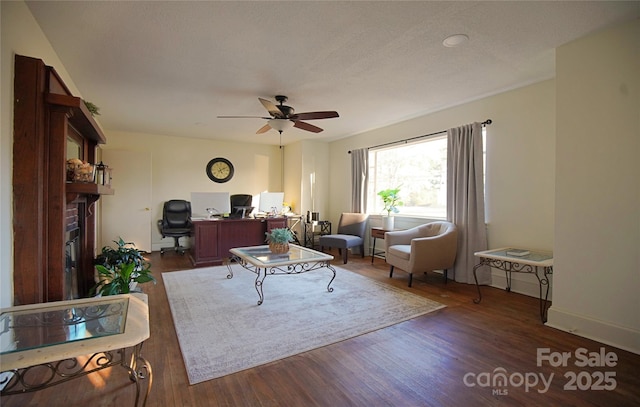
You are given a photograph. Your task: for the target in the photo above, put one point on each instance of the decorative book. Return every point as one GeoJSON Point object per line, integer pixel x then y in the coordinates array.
{"type": "Point", "coordinates": [518, 252]}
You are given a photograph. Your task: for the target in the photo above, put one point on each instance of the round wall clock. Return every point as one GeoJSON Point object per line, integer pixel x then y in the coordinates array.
{"type": "Point", "coordinates": [220, 170]}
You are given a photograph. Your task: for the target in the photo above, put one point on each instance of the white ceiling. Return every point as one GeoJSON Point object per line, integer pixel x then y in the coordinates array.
{"type": "Point", "coordinates": [170, 68]}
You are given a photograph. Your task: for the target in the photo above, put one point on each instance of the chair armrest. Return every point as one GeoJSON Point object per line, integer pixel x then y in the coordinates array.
{"type": "Point", "coordinates": [434, 252]}
{"type": "Point", "coordinates": [399, 237]}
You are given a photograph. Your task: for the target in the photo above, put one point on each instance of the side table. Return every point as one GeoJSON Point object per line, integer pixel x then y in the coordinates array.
{"type": "Point", "coordinates": [71, 339]}
{"type": "Point", "coordinates": [529, 263]}
{"type": "Point", "coordinates": [313, 229]}
{"type": "Point", "coordinates": [377, 233]}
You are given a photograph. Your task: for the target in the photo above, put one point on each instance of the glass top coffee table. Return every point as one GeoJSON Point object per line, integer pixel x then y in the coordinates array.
{"type": "Point", "coordinates": [262, 262]}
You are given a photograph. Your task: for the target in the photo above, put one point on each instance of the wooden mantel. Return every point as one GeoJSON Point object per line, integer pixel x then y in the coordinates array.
{"type": "Point", "coordinates": [45, 205]}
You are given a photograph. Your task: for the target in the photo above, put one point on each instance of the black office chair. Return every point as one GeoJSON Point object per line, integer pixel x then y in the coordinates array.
{"type": "Point", "coordinates": [175, 223]}
{"type": "Point", "coordinates": [241, 205]}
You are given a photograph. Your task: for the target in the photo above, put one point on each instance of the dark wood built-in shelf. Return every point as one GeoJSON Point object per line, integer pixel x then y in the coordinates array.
{"type": "Point", "coordinates": [80, 117]}
{"type": "Point", "coordinates": [77, 189]}
{"type": "Point", "coordinates": [49, 213]}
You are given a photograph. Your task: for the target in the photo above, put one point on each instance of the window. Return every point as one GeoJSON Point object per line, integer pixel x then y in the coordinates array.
{"type": "Point", "coordinates": [419, 169]}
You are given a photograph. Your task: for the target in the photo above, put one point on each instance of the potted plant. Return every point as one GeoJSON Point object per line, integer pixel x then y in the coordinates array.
{"type": "Point", "coordinates": [120, 269]}
{"type": "Point", "coordinates": [279, 239]}
{"type": "Point", "coordinates": [391, 200]}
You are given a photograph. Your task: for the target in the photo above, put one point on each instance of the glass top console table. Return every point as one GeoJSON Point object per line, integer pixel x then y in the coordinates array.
{"type": "Point", "coordinates": [71, 339]}
{"type": "Point", "coordinates": [519, 261]}
{"type": "Point", "coordinates": [262, 262]}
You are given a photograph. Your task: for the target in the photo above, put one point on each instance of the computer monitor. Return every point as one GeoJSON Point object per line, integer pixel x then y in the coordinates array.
{"type": "Point", "coordinates": [270, 201]}
{"type": "Point", "coordinates": [218, 203]}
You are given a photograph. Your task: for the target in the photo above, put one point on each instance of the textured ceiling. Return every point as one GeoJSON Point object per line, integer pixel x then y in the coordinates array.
{"type": "Point", "coordinates": [169, 68]}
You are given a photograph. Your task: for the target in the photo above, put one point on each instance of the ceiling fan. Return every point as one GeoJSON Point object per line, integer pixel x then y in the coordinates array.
{"type": "Point", "coordinates": [284, 117]}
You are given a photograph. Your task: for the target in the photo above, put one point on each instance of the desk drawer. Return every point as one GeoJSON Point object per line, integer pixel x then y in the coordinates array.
{"type": "Point", "coordinates": [377, 233]}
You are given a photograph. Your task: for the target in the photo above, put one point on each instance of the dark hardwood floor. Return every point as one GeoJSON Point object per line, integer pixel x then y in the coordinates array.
{"type": "Point", "coordinates": [446, 358]}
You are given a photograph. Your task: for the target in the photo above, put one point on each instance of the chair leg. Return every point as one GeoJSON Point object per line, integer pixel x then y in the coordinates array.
{"type": "Point", "coordinates": [362, 251]}
{"type": "Point", "coordinates": [391, 272]}
{"type": "Point", "coordinates": [410, 279]}
{"type": "Point", "coordinates": [177, 247]}
{"type": "Point", "coordinates": [446, 277]}
{"type": "Point", "coordinates": [345, 253]}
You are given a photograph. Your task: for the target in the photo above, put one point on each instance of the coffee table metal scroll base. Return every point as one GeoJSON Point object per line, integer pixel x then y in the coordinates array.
{"type": "Point", "coordinates": [284, 267]}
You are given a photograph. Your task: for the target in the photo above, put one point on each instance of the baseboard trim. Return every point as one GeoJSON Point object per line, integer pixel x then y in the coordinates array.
{"type": "Point", "coordinates": [521, 283]}
{"type": "Point", "coordinates": [597, 330]}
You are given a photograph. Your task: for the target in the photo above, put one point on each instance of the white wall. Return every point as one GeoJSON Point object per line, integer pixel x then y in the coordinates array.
{"type": "Point", "coordinates": [178, 168]}
{"type": "Point", "coordinates": [20, 35]}
{"type": "Point", "coordinates": [520, 186]}
{"type": "Point", "coordinates": [597, 258]}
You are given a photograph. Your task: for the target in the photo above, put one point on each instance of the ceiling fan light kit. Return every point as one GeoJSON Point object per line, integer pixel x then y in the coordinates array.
{"type": "Point", "coordinates": [283, 117]}
{"type": "Point", "coordinates": [280, 124]}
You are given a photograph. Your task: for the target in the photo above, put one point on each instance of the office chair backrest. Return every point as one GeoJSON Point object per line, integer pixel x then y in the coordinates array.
{"type": "Point", "coordinates": [177, 213]}
{"type": "Point", "coordinates": [240, 200]}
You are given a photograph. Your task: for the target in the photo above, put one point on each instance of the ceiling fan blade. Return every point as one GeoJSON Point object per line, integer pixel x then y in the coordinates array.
{"type": "Point", "coordinates": [243, 117]}
{"type": "Point", "coordinates": [315, 115]}
{"type": "Point", "coordinates": [264, 129]}
{"type": "Point", "coordinates": [271, 108]}
{"type": "Point", "coordinates": [307, 127]}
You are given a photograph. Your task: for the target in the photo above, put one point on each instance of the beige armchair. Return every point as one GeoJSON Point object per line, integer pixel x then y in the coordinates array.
{"type": "Point", "coordinates": [432, 246]}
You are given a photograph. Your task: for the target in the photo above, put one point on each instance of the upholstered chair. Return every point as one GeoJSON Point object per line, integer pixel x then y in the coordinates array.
{"type": "Point", "coordinates": [428, 247]}
{"type": "Point", "coordinates": [351, 231]}
{"type": "Point", "coordinates": [175, 223]}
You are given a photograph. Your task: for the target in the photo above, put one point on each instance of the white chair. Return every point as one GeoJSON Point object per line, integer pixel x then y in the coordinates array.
{"type": "Point", "coordinates": [428, 247]}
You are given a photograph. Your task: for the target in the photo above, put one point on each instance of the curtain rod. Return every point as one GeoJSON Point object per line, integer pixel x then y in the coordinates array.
{"type": "Point", "coordinates": [484, 123]}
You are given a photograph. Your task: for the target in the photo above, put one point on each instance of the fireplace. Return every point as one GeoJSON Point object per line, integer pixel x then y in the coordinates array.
{"type": "Point", "coordinates": [72, 263]}
{"type": "Point", "coordinates": [54, 222]}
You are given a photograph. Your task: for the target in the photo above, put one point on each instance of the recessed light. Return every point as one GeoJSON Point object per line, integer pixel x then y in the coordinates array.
{"type": "Point", "coordinates": [455, 40]}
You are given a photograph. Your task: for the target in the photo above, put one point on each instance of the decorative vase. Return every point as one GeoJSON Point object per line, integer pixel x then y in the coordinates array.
{"type": "Point", "coordinates": [279, 248]}
{"type": "Point", "coordinates": [387, 222]}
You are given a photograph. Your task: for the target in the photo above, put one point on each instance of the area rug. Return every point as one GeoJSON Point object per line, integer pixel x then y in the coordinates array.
{"type": "Point", "coordinates": [222, 330]}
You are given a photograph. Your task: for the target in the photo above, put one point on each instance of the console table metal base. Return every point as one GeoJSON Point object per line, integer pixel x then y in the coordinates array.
{"type": "Point", "coordinates": [512, 266]}
{"type": "Point", "coordinates": [39, 377]}
{"type": "Point", "coordinates": [262, 272]}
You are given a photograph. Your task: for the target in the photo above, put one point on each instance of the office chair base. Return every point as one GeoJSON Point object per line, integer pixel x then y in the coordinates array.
{"type": "Point", "coordinates": [178, 249]}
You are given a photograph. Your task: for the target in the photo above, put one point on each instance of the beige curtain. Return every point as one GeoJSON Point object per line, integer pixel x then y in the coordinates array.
{"type": "Point", "coordinates": [465, 199]}
{"type": "Point", "coordinates": [359, 179]}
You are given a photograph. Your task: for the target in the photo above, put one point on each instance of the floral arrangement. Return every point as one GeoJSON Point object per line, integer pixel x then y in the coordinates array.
{"type": "Point", "coordinates": [279, 235]}
{"type": "Point", "coordinates": [120, 269]}
{"type": "Point", "coordinates": [93, 109]}
{"type": "Point", "coordinates": [79, 171]}
{"type": "Point", "coordinates": [279, 239]}
{"type": "Point", "coordinates": [391, 199]}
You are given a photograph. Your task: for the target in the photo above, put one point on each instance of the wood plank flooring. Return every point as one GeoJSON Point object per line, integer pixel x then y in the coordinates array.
{"type": "Point", "coordinates": [420, 362]}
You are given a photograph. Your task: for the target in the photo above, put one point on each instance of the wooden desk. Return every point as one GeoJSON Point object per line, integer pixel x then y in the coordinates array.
{"type": "Point", "coordinates": [212, 239]}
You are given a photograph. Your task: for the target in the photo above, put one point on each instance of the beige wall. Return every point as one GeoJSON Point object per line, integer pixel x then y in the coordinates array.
{"type": "Point", "coordinates": [597, 264]}
{"type": "Point", "coordinates": [178, 168]}
{"type": "Point", "coordinates": [302, 160]}
{"type": "Point", "coordinates": [520, 185]}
